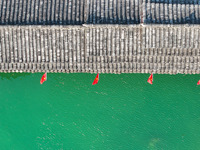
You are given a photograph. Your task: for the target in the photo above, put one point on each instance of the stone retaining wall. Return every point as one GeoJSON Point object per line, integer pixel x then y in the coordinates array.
{"type": "Point", "coordinates": [100, 48]}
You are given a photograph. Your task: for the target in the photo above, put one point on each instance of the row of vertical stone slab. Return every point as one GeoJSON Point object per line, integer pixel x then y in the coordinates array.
{"type": "Point", "coordinates": [78, 12]}
{"type": "Point", "coordinates": [171, 11]}
{"type": "Point", "coordinates": [100, 48]}
{"type": "Point", "coordinates": [69, 12]}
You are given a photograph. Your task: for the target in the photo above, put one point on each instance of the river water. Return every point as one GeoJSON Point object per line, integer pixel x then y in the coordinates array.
{"type": "Point", "coordinates": [120, 112]}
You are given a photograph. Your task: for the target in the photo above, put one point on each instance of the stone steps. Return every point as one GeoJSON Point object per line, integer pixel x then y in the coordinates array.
{"type": "Point", "coordinates": [100, 48]}
{"type": "Point", "coordinates": [78, 12]}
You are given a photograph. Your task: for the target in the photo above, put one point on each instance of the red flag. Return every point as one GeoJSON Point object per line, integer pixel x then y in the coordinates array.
{"type": "Point", "coordinates": [96, 80]}
{"type": "Point", "coordinates": [44, 78]}
{"type": "Point", "coordinates": [150, 79]}
{"type": "Point", "coordinates": [198, 82]}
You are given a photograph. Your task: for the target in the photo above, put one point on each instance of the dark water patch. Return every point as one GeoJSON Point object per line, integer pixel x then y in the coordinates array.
{"type": "Point", "coordinates": [10, 76]}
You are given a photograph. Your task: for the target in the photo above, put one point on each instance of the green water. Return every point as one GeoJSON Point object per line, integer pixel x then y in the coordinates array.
{"type": "Point", "coordinates": [121, 112]}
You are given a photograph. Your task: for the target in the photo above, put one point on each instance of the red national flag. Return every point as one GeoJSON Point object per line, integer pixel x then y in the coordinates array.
{"type": "Point", "coordinates": [198, 82]}
{"type": "Point", "coordinates": [150, 79]}
{"type": "Point", "coordinates": [96, 80]}
{"type": "Point", "coordinates": [44, 78]}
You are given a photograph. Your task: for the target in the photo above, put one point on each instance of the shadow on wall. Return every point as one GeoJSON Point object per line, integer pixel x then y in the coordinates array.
{"type": "Point", "coordinates": [191, 19]}
{"type": "Point", "coordinates": [111, 20]}
{"type": "Point", "coordinates": [176, 1]}
{"type": "Point", "coordinates": [172, 12]}
{"type": "Point", "coordinates": [78, 12]}
{"type": "Point", "coordinates": [68, 12]}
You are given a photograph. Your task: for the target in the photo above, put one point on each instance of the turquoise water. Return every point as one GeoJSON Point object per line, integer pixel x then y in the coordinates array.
{"type": "Point", "coordinates": [120, 112]}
